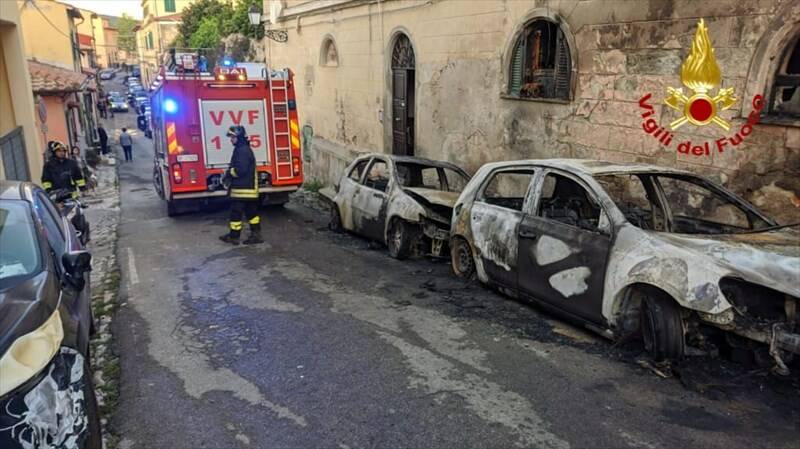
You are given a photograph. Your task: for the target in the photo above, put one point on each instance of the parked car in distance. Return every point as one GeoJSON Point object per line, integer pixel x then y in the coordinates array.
{"type": "Point", "coordinates": [46, 393]}
{"type": "Point", "coordinates": [136, 72]}
{"type": "Point", "coordinates": [404, 202]}
{"type": "Point", "coordinates": [634, 248]}
{"type": "Point", "coordinates": [117, 102]}
{"type": "Point", "coordinates": [108, 74]}
{"type": "Point", "coordinates": [131, 79]}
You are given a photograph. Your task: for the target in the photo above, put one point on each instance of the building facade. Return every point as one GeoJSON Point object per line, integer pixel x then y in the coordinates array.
{"type": "Point", "coordinates": [158, 29]}
{"type": "Point", "coordinates": [20, 156]}
{"type": "Point", "coordinates": [478, 81]}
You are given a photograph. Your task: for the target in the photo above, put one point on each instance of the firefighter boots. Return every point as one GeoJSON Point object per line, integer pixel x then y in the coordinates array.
{"type": "Point", "coordinates": [255, 235]}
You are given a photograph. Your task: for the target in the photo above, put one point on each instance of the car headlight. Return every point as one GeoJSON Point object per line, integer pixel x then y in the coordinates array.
{"type": "Point", "coordinates": [30, 353]}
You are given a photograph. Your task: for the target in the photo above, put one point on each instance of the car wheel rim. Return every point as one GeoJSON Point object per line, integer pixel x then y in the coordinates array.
{"type": "Point", "coordinates": [397, 237]}
{"type": "Point", "coordinates": [464, 259]}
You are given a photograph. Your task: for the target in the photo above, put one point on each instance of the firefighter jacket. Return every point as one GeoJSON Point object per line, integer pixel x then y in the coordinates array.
{"type": "Point", "coordinates": [244, 181]}
{"type": "Point", "coordinates": [62, 174]}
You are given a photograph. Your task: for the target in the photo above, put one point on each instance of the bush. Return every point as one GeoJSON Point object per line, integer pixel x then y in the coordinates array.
{"type": "Point", "coordinates": [313, 185]}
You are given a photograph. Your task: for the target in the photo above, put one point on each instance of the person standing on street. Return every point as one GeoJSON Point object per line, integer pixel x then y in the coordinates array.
{"type": "Point", "coordinates": [60, 172]}
{"type": "Point", "coordinates": [103, 135]}
{"type": "Point", "coordinates": [126, 142]}
{"type": "Point", "coordinates": [243, 189]}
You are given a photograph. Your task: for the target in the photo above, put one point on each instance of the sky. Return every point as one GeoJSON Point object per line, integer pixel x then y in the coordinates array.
{"type": "Point", "coordinates": [110, 7]}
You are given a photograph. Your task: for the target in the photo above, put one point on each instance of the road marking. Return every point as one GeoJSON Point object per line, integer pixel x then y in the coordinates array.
{"type": "Point", "coordinates": [133, 276]}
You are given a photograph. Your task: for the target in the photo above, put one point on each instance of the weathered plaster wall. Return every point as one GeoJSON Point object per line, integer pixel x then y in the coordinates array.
{"type": "Point", "coordinates": [621, 51]}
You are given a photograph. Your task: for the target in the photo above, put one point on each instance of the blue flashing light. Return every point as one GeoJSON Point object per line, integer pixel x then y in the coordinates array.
{"type": "Point", "coordinates": [227, 62]}
{"type": "Point", "coordinates": [170, 106]}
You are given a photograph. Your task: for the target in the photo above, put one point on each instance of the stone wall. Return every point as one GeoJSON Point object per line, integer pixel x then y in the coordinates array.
{"type": "Point", "coordinates": [621, 50]}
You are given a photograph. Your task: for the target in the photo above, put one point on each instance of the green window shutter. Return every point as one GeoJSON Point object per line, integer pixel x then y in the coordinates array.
{"type": "Point", "coordinates": [515, 72]}
{"type": "Point", "coordinates": [169, 5]}
{"type": "Point", "coordinates": [563, 72]}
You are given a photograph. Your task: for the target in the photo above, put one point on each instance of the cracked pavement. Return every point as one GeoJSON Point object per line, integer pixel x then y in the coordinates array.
{"type": "Point", "coordinates": [316, 339]}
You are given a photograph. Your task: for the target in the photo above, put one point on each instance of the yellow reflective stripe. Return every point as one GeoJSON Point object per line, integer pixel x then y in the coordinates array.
{"type": "Point", "coordinates": [236, 225]}
{"type": "Point", "coordinates": [293, 124]}
{"type": "Point", "coordinates": [244, 195]}
{"type": "Point", "coordinates": [47, 185]}
{"type": "Point", "coordinates": [74, 195]}
{"type": "Point", "coordinates": [170, 130]}
{"type": "Point", "coordinates": [295, 141]}
{"type": "Point", "coordinates": [173, 147]}
{"type": "Point", "coordinates": [255, 220]}
{"type": "Point", "coordinates": [233, 172]}
{"type": "Point", "coordinates": [81, 182]}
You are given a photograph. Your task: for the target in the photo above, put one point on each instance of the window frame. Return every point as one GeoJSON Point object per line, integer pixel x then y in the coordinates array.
{"type": "Point", "coordinates": [327, 41]}
{"type": "Point", "coordinates": [47, 213]}
{"type": "Point", "coordinates": [779, 79]}
{"type": "Point", "coordinates": [360, 180]}
{"type": "Point", "coordinates": [604, 226]}
{"type": "Point", "coordinates": [167, 8]}
{"type": "Point", "coordinates": [541, 15]}
{"type": "Point", "coordinates": [480, 198]}
{"type": "Point", "coordinates": [389, 177]}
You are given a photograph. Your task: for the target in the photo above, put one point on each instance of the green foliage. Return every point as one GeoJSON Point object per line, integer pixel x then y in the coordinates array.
{"type": "Point", "coordinates": [207, 34]}
{"type": "Point", "coordinates": [202, 18]}
{"type": "Point", "coordinates": [313, 185]}
{"type": "Point", "coordinates": [126, 39]}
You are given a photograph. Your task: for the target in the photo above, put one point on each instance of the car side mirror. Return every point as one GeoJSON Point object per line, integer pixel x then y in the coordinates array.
{"type": "Point", "coordinates": [76, 264]}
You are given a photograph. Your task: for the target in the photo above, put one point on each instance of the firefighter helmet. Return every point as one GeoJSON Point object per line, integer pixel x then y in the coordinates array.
{"type": "Point", "coordinates": [237, 131]}
{"type": "Point", "coordinates": [55, 145]}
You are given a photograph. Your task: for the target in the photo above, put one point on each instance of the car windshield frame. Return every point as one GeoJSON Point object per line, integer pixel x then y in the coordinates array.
{"type": "Point", "coordinates": [23, 208]}
{"type": "Point", "coordinates": [664, 205]}
{"type": "Point", "coordinates": [441, 170]}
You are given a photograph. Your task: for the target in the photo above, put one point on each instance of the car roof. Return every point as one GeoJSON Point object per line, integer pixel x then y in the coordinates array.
{"type": "Point", "coordinates": [590, 166]}
{"type": "Point", "coordinates": [414, 160]}
{"type": "Point", "coordinates": [16, 190]}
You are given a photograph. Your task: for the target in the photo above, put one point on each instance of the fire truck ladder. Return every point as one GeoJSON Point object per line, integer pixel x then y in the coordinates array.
{"type": "Point", "coordinates": [279, 96]}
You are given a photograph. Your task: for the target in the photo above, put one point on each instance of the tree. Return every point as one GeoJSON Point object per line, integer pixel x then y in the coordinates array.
{"type": "Point", "coordinates": [239, 21]}
{"type": "Point", "coordinates": [126, 38]}
{"type": "Point", "coordinates": [207, 34]}
{"type": "Point", "coordinates": [203, 11]}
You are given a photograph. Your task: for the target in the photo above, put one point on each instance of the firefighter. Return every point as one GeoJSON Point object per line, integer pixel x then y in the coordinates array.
{"type": "Point", "coordinates": [243, 181]}
{"type": "Point", "coordinates": [60, 172]}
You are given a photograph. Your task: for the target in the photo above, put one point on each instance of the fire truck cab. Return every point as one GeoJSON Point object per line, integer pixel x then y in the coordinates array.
{"type": "Point", "coordinates": [192, 110]}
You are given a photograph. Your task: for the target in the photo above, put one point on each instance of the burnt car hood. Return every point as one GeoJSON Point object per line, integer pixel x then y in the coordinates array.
{"type": "Point", "coordinates": [438, 197]}
{"type": "Point", "coordinates": [25, 306]}
{"type": "Point", "coordinates": [768, 258]}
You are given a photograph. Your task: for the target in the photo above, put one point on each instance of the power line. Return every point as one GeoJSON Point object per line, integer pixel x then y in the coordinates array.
{"type": "Point", "coordinates": [48, 20]}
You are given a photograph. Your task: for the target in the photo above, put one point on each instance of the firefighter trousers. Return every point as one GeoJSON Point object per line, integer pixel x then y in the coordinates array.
{"type": "Point", "coordinates": [247, 209]}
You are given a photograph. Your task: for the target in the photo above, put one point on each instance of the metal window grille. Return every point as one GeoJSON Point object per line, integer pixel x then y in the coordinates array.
{"type": "Point", "coordinates": [15, 159]}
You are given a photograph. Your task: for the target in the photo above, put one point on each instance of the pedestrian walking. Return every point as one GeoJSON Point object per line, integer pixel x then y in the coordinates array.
{"type": "Point", "coordinates": [126, 142]}
{"type": "Point", "coordinates": [102, 107]}
{"type": "Point", "coordinates": [103, 135]}
{"type": "Point", "coordinates": [243, 189]}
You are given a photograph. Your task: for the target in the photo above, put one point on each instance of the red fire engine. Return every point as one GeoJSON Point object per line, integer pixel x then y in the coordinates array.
{"type": "Point", "coordinates": [192, 110]}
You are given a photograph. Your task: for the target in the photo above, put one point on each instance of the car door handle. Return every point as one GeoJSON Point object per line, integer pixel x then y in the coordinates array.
{"type": "Point", "coordinates": [377, 195]}
{"type": "Point", "coordinates": [528, 234]}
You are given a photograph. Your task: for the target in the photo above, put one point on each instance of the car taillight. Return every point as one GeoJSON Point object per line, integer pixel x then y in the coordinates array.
{"type": "Point", "coordinates": [176, 173]}
{"type": "Point", "coordinates": [296, 165]}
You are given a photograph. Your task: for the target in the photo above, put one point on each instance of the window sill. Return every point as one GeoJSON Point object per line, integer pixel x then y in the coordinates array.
{"type": "Point", "coordinates": [778, 120]}
{"type": "Point", "coordinates": [535, 100]}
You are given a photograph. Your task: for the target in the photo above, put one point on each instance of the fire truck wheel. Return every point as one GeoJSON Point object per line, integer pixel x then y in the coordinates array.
{"type": "Point", "coordinates": [172, 208]}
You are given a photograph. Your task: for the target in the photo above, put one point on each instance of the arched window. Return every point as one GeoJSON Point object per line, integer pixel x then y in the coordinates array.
{"type": "Point", "coordinates": [785, 93]}
{"type": "Point", "coordinates": [540, 64]}
{"type": "Point", "coordinates": [329, 56]}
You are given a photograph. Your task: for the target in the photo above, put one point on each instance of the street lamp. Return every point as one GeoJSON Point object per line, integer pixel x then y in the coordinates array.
{"type": "Point", "coordinates": [255, 19]}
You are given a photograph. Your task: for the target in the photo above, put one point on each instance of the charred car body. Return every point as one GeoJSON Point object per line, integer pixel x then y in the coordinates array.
{"type": "Point", "coordinates": [405, 202]}
{"type": "Point", "coordinates": [630, 248]}
{"type": "Point", "coordinates": [46, 394]}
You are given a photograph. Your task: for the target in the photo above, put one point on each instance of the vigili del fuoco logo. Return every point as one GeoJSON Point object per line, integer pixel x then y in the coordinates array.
{"type": "Point", "coordinates": [700, 106]}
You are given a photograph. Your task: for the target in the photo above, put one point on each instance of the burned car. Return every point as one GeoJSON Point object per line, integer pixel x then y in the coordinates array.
{"type": "Point", "coordinates": [628, 249]}
{"type": "Point", "coordinates": [46, 393]}
{"type": "Point", "coordinates": [405, 202]}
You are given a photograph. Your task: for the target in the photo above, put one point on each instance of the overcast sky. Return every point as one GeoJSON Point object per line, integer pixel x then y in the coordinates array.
{"type": "Point", "coordinates": [110, 7]}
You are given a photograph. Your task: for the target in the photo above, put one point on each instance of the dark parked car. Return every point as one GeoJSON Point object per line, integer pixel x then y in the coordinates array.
{"type": "Point", "coordinates": [46, 393]}
{"type": "Point", "coordinates": [630, 249]}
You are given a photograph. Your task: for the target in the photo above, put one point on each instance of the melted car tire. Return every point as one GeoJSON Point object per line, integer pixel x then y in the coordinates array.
{"type": "Point", "coordinates": [335, 223]}
{"type": "Point", "coordinates": [400, 245]}
{"type": "Point", "coordinates": [662, 328]}
{"type": "Point", "coordinates": [94, 433]}
{"type": "Point", "coordinates": [461, 259]}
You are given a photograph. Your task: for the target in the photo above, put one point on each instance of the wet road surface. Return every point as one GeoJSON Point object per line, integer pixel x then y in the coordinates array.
{"type": "Point", "coordinates": [316, 339]}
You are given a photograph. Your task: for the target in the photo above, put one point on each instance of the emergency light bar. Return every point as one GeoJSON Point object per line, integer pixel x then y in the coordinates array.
{"type": "Point", "coordinates": [230, 74]}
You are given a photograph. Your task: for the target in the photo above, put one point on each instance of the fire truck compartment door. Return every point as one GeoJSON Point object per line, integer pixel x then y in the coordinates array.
{"type": "Point", "coordinates": [219, 115]}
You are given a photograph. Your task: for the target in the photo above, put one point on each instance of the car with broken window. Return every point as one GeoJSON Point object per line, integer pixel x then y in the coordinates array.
{"type": "Point", "coordinates": [629, 249]}
{"type": "Point", "coordinates": [46, 393]}
{"type": "Point", "coordinates": [405, 202]}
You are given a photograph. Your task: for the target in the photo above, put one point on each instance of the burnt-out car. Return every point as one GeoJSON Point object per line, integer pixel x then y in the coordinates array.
{"type": "Point", "coordinates": [625, 249]}
{"type": "Point", "coordinates": [46, 394]}
{"type": "Point", "coordinates": [405, 202]}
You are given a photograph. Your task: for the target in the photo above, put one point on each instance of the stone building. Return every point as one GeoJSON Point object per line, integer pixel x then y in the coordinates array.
{"type": "Point", "coordinates": [476, 81]}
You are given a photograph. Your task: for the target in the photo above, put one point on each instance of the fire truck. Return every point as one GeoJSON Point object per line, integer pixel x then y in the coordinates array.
{"type": "Point", "coordinates": [192, 109]}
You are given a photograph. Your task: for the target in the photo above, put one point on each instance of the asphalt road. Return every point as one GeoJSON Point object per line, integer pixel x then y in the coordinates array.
{"type": "Point", "coordinates": [319, 340]}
